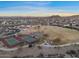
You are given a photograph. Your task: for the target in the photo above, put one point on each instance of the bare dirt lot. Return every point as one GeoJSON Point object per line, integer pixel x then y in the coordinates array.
{"type": "Point", "coordinates": [64, 34]}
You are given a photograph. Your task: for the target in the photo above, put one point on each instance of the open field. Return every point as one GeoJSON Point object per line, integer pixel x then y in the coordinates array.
{"type": "Point", "coordinates": [64, 34]}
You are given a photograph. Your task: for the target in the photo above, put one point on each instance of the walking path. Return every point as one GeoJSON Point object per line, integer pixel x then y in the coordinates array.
{"type": "Point", "coordinates": [8, 49]}
{"type": "Point", "coordinates": [42, 45]}
{"type": "Point", "coordinates": [63, 45]}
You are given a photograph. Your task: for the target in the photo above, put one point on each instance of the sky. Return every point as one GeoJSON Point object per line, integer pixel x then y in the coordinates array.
{"type": "Point", "coordinates": [39, 8]}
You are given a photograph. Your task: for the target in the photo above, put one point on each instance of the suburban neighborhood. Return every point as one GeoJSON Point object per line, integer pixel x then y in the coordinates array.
{"type": "Point", "coordinates": [32, 33]}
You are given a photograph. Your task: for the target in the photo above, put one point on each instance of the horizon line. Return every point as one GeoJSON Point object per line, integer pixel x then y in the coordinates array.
{"type": "Point", "coordinates": [37, 16]}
